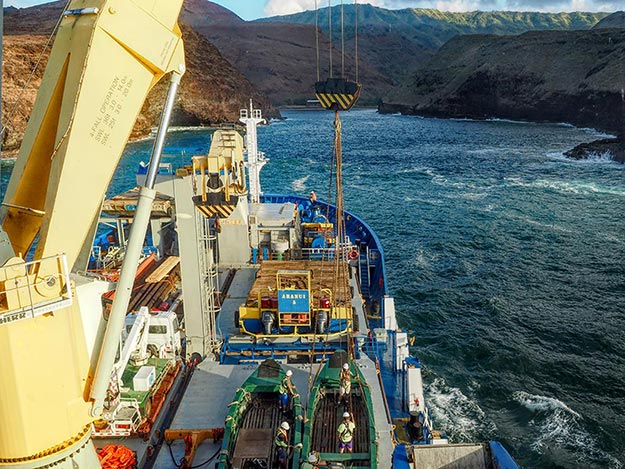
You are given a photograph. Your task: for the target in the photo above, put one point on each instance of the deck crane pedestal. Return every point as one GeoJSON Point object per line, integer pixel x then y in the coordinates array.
{"type": "Point", "coordinates": [106, 56]}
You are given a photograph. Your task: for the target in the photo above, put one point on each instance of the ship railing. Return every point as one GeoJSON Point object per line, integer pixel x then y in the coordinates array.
{"type": "Point", "coordinates": [326, 254]}
{"type": "Point", "coordinates": [30, 289]}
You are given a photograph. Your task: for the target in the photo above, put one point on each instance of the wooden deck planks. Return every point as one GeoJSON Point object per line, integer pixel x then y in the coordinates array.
{"type": "Point", "coordinates": [328, 417]}
{"type": "Point", "coordinates": [323, 273]}
{"type": "Point", "coordinates": [257, 431]}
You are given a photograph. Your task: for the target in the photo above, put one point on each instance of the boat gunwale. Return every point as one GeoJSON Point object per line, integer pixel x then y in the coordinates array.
{"type": "Point", "coordinates": [234, 416]}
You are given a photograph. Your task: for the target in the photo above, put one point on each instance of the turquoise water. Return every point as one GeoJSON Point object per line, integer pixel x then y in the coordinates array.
{"type": "Point", "coordinates": [505, 258]}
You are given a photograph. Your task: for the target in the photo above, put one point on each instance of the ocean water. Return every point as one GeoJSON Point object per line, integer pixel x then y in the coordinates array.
{"type": "Point", "coordinates": [506, 260]}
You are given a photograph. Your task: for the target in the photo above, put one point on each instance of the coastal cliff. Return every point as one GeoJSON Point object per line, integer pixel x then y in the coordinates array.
{"type": "Point", "coordinates": [541, 76]}
{"type": "Point", "coordinates": [553, 76]}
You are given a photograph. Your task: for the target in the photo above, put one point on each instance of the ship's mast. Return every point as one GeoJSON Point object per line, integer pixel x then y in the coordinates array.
{"type": "Point", "coordinates": [255, 159]}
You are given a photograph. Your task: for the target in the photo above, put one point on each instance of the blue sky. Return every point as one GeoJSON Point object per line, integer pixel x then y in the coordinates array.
{"type": "Point", "coordinates": [250, 9]}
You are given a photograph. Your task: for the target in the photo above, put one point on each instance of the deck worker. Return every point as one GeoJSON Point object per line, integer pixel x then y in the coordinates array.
{"type": "Point", "coordinates": [313, 197]}
{"type": "Point", "coordinates": [345, 384]}
{"type": "Point", "coordinates": [313, 462]}
{"type": "Point", "coordinates": [286, 392]}
{"type": "Point", "coordinates": [281, 441]}
{"type": "Point", "coordinates": [346, 433]}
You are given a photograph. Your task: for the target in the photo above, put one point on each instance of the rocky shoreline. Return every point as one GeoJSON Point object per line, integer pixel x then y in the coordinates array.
{"type": "Point", "coordinates": [612, 147]}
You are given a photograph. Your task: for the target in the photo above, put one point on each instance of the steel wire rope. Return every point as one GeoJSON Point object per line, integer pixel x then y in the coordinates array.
{"type": "Point", "coordinates": [356, 36]}
{"type": "Point", "coordinates": [342, 39]}
{"type": "Point", "coordinates": [330, 32]}
{"type": "Point", "coordinates": [317, 38]}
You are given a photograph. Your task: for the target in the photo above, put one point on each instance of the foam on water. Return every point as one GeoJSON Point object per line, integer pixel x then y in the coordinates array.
{"type": "Point", "coordinates": [596, 133]}
{"type": "Point", "coordinates": [456, 414]}
{"type": "Point", "coordinates": [592, 159]}
{"type": "Point", "coordinates": [299, 185]}
{"type": "Point", "coordinates": [572, 187]}
{"type": "Point", "coordinates": [559, 426]}
{"type": "Point", "coordinates": [480, 291]}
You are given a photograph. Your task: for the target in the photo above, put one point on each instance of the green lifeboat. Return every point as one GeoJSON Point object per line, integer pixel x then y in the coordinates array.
{"type": "Point", "coordinates": [254, 418]}
{"type": "Point", "coordinates": [324, 415]}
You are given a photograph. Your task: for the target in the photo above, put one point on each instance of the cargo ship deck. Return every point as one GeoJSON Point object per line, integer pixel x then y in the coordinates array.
{"type": "Point", "coordinates": [213, 384]}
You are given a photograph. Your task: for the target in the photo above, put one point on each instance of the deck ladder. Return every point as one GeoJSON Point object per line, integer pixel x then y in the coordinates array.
{"type": "Point", "coordinates": [208, 281]}
{"type": "Point", "coordinates": [363, 262]}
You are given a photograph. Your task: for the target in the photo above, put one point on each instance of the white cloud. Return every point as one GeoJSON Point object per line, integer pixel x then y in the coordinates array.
{"type": "Point", "coordinates": [281, 7]}
{"type": "Point", "coordinates": [23, 3]}
{"type": "Point", "coordinates": [285, 7]}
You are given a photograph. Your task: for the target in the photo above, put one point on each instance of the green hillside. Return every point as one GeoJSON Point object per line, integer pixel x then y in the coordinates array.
{"type": "Point", "coordinates": [397, 42]}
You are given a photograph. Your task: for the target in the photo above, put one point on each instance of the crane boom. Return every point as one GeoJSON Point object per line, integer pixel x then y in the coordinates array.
{"type": "Point", "coordinates": [106, 57]}
{"type": "Point", "coordinates": [101, 67]}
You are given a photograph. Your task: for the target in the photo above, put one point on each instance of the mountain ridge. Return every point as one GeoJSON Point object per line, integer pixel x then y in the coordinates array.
{"type": "Point", "coordinates": [397, 42]}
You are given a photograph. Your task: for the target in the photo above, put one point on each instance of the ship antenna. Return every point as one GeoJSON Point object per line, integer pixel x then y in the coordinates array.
{"type": "Point", "coordinates": [255, 159]}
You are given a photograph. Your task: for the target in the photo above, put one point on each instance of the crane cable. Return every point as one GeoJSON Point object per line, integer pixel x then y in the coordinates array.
{"type": "Point", "coordinates": [317, 39]}
{"type": "Point", "coordinates": [330, 32]}
{"type": "Point", "coordinates": [342, 39]}
{"type": "Point", "coordinates": [356, 37]}
{"type": "Point", "coordinates": [317, 47]}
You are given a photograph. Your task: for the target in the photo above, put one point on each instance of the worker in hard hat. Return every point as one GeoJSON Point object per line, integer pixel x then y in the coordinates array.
{"type": "Point", "coordinates": [287, 391]}
{"type": "Point", "coordinates": [281, 442]}
{"type": "Point", "coordinates": [345, 433]}
{"type": "Point", "coordinates": [345, 384]}
{"type": "Point", "coordinates": [312, 461]}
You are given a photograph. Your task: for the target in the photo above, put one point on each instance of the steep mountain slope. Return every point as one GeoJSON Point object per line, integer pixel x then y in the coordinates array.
{"type": "Point", "coordinates": [280, 58]}
{"type": "Point", "coordinates": [211, 91]}
{"type": "Point", "coordinates": [397, 42]}
{"type": "Point", "coordinates": [558, 76]}
{"type": "Point", "coordinates": [615, 20]}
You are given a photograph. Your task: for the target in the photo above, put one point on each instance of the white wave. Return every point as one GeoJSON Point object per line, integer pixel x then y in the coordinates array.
{"type": "Point", "coordinates": [419, 170]}
{"type": "Point", "coordinates": [422, 259]}
{"type": "Point", "coordinates": [596, 133]}
{"type": "Point", "coordinates": [537, 403]}
{"type": "Point", "coordinates": [300, 184]}
{"type": "Point", "coordinates": [492, 119]}
{"type": "Point", "coordinates": [443, 181]}
{"type": "Point", "coordinates": [603, 157]}
{"type": "Point", "coordinates": [510, 121]}
{"type": "Point", "coordinates": [557, 425]}
{"type": "Point", "coordinates": [573, 187]}
{"type": "Point", "coordinates": [459, 416]}
{"type": "Point", "coordinates": [531, 221]}
{"type": "Point", "coordinates": [593, 159]}
{"type": "Point", "coordinates": [424, 200]}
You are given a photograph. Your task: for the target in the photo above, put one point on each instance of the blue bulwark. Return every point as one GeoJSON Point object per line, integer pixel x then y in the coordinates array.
{"type": "Point", "coordinates": [293, 301]}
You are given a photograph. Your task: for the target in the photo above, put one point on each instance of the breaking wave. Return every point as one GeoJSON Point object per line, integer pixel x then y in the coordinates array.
{"type": "Point", "coordinates": [559, 426]}
{"type": "Point", "coordinates": [456, 414]}
{"type": "Point", "coordinates": [581, 188]}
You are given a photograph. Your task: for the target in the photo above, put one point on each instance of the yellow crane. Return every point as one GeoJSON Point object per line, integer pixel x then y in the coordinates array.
{"type": "Point", "coordinates": [55, 346]}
